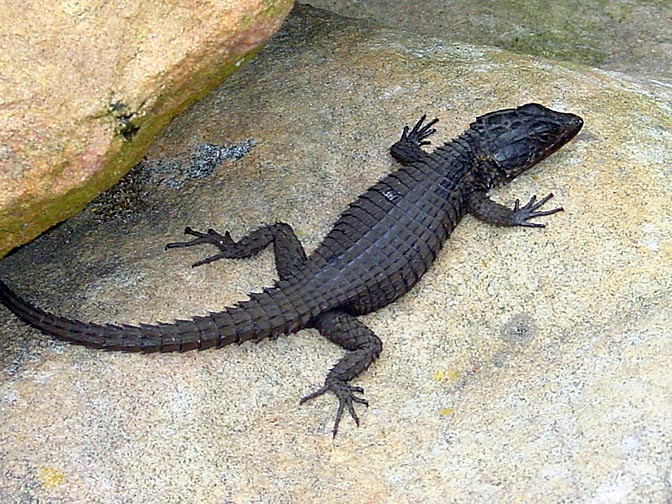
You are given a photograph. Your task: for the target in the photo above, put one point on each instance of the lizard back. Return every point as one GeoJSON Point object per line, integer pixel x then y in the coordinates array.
{"type": "Point", "coordinates": [386, 240]}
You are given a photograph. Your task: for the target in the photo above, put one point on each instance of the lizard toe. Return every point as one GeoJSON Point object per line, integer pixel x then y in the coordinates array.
{"type": "Point", "coordinates": [345, 393]}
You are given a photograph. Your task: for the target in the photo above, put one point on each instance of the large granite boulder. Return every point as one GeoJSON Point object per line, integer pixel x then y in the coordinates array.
{"type": "Point", "coordinates": [86, 86]}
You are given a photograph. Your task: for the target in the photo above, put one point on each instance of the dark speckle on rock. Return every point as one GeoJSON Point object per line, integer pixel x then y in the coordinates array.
{"type": "Point", "coordinates": [515, 335]}
{"type": "Point", "coordinates": [519, 330]}
{"type": "Point", "coordinates": [124, 116]}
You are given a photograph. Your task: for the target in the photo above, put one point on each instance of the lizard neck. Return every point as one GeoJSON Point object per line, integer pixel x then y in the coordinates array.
{"type": "Point", "coordinates": [483, 175]}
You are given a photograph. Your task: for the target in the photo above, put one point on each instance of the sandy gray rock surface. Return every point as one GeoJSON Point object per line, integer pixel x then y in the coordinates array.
{"type": "Point", "coordinates": [631, 36]}
{"type": "Point", "coordinates": [527, 366]}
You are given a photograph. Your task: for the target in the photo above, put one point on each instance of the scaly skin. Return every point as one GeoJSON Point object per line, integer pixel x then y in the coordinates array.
{"type": "Point", "coordinates": [377, 250]}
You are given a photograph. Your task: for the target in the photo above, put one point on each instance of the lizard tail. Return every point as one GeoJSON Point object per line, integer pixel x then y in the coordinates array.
{"type": "Point", "coordinates": [266, 314]}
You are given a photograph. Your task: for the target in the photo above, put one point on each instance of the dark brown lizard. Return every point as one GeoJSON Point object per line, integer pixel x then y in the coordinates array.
{"type": "Point", "coordinates": [377, 250]}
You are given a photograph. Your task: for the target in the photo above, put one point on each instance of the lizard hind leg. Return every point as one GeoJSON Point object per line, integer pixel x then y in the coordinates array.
{"type": "Point", "coordinates": [363, 348]}
{"type": "Point", "coordinates": [289, 253]}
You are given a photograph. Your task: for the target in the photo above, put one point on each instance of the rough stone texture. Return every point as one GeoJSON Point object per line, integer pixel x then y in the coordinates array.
{"type": "Point", "coordinates": [527, 366]}
{"type": "Point", "coordinates": [632, 36]}
{"type": "Point", "coordinates": [85, 86]}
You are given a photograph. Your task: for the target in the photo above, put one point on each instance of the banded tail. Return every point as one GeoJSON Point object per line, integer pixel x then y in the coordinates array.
{"type": "Point", "coordinates": [266, 314]}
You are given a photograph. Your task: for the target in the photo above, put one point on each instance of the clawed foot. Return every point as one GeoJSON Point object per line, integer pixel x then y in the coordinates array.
{"type": "Point", "coordinates": [345, 394]}
{"type": "Point", "coordinates": [521, 215]}
{"type": "Point", "coordinates": [419, 132]}
{"type": "Point", "coordinates": [224, 242]}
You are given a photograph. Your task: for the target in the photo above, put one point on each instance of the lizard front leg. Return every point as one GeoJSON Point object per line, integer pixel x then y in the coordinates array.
{"type": "Point", "coordinates": [363, 348]}
{"type": "Point", "coordinates": [483, 208]}
{"type": "Point", "coordinates": [409, 147]}
{"type": "Point", "coordinates": [288, 251]}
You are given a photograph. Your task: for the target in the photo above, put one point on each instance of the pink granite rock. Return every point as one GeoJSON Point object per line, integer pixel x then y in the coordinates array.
{"type": "Point", "coordinates": [85, 87]}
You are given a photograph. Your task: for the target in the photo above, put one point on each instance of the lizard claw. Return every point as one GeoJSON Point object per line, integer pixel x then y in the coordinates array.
{"type": "Point", "coordinates": [212, 237]}
{"type": "Point", "coordinates": [521, 215]}
{"type": "Point", "coordinates": [224, 242]}
{"type": "Point", "coordinates": [345, 394]}
{"type": "Point", "coordinates": [420, 132]}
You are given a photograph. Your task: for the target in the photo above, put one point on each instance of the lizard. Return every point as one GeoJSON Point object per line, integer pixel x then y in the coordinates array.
{"type": "Point", "coordinates": [377, 250]}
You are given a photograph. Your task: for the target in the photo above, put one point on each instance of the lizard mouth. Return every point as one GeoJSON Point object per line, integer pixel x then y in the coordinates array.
{"type": "Point", "coordinates": [572, 127]}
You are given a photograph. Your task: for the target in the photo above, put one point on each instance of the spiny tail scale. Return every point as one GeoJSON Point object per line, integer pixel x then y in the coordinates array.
{"type": "Point", "coordinates": [271, 313]}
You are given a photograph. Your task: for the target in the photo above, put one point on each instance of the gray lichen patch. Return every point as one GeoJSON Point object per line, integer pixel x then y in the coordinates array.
{"type": "Point", "coordinates": [140, 187]}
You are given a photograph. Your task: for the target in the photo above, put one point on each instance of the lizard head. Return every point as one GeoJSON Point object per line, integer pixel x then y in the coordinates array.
{"type": "Point", "coordinates": [513, 140]}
